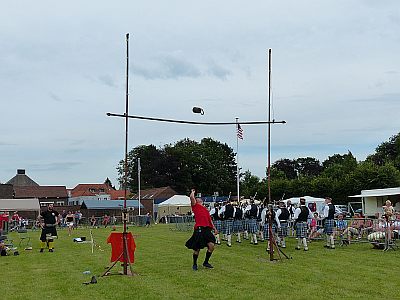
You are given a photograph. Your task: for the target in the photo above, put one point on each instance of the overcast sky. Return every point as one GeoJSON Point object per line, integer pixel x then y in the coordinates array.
{"type": "Point", "coordinates": [335, 80]}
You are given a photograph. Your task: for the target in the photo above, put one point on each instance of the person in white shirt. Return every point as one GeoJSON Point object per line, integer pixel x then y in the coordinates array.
{"type": "Point", "coordinates": [251, 213]}
{"type": "Point", "coordinates": [283, 215]}
{"type": "Point", "coordinates": [329, 222]}
{"type": "Point", "coordinates": [301, 214]}
{"type": "Point", "coordinates": [269, 216]}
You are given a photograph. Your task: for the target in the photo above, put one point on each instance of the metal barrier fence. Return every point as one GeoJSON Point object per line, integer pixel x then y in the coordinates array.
{"type": "Point", "coordinates": [181, 223]}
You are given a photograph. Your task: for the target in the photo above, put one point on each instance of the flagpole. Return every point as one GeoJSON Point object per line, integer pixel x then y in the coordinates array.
{"type": "Point", "coordinates": [269, 126]}
{"type": "Point", "coordinates": [139, 169]}
{"type": "Point", "coordinates": [237, 161]}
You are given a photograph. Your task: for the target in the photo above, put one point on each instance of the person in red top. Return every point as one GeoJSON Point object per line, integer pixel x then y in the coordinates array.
{"type": "Point", "coordinates": [202, 236]}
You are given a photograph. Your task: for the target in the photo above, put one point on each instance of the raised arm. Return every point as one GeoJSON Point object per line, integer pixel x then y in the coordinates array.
{"type": "Point", "coordinates": [192, 198]}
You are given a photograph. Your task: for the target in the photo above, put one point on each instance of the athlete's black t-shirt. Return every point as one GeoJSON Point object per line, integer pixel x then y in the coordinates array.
{"type": "Point", "coordinates": [49, 217]}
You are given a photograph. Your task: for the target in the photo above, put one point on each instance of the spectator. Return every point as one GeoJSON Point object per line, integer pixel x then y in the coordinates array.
{"type": "Point", "coordinates": [70, 221]}
{"type": "Point", "coordinates": [93, 221]}
{"type": "Point", "coordinates": [148, 219]}
{"type": "Point", "coordinates": [106, 220]}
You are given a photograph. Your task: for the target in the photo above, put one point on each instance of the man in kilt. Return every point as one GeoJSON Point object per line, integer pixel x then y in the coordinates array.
{"type": "Point", "coordinates": [329, 220]}
{"type": "Point", "coordinates": [301, 214]}
{"type": "Point", "coordinates": [48, 221]}
{"type": "Point", "coordinates": [238, 222]}
{"type": "Point", "coordinates": [251, 212]}
{"type": "Point", "coordinates": [223, 221]}
{"type": "Point", "coordinates": [202, 236]}
{"type": "Point", "coordinates": [214, 213]}
{"type": "Point", "coordinates": [268, 215]}
{"type": "Point", "coordinates": [228, 213]}
{"type": "Point", "coordinates": [283, 215]}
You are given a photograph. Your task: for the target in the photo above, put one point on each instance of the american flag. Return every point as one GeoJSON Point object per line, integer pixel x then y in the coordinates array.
{"type": "Point", "coordinates": [239, 132]}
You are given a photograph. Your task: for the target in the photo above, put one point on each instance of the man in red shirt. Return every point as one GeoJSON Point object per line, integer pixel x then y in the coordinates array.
{"type": "Point", "coordinates": [202, 236]}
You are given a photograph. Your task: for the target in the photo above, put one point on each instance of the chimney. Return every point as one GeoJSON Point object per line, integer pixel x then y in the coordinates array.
{"type": "Point", "coordinates": [20, 171]}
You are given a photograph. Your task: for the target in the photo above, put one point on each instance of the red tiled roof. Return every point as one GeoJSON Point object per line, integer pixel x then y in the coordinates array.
{"type": "Point", "coordinates": [40, 192]}
{"type": "Point", "coordinates": [155, 193]}
{"type": "Point", "coordinates": [119, 194]}
{"type": "Point", "coordinates": [91, 189]}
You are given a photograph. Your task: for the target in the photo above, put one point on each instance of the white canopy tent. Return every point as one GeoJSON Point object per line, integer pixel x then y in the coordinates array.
{"type": "Point", "coordinates": [318, 202]}
{"type": "Point", "coordinates": [176, 205]}
{"type": "Point", "coordinates": [30, 204]}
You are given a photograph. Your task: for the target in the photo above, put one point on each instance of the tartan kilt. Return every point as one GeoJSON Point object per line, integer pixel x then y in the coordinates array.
{"type": "Point", "coordinates": [284, 230]}
{"type": "Point", "coordinates": [253, 226]}
{"type": "Point", "coordinates": [218, 225]}
{"type": "Point", "coordinates": [329, 226]}
{"type": "Point", "coordinates": [47, 232]}
{"type": "Point", "coordinates": [229, 226]}
{"type": "Point", "coordinates": [266, 230]}
{"type": "Point", "coordinates": [260, 226]}
{"type": "Point", "coordinates": [246, 224]}
{"type": "Point", "coordinates": [301, 229]}
{"type": "Point", "coordinates": [200, 238]}
{"type": "Point", "coordinates": [237, 226]}
{"type": "Point", "coordinates": [223, 226]}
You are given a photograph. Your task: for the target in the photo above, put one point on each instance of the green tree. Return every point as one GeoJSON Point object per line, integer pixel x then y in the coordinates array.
{"type": "Point", "coordinates": [308, 166]}
{"type": "Point", "coordinates": [249, 184]}
{"type": "Point", "coordinates": [287, 166]}
{"type": "Point", "coordinates": [209, 166]}
{"type": "Point", "coordinates": [387, 152]}
{"type": "Point", "coordinates": [109, 183]}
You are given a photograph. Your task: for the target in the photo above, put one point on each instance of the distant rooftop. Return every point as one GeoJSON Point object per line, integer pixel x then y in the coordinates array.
{"type": "Point", "coordinates": [21, 179]}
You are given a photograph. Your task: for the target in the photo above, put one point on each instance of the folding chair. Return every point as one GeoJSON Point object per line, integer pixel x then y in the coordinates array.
{"type": "Point", "coordinates": [8, 244]}
{"type": "Point", "coordinates": [24, 239]}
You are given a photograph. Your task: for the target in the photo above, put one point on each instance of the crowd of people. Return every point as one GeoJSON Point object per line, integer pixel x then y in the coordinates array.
{"type": "Point", "coordinates": [259, 222]}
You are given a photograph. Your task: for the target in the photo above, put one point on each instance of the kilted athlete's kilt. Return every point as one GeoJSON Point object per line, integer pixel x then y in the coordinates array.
{"type": "Point", "coordinates": [329, 226]}
{"type": "Point", "coordinates": [266, 230]}
{"type": "Point", "coordinates": [229, 226]}
{"type": "Point", "coordinates": [218, 225]}
{"type": "Point", "coordinates": [246, 224]}
{"type": "Point", "coordinates": [237, 226]}
{"type": "Point", "coordinates": [48, 231]}
{"type": "Point", "coordinates": [253, 226]}
{"type": "Point", "coordinates": [200, 238]}
{"type": "Point", "coordinates": [301, 229]}
{"type": "Point", "coordinates": [284, 230]}
{"type": "Point", "coordinates": [223, 226]}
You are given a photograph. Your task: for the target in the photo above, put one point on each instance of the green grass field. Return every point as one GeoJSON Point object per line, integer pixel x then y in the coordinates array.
{"type": "Point", "coordinates": [164, 267]}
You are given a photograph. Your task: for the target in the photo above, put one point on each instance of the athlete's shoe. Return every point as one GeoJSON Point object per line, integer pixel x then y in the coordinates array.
{"type": "Point", "coordinates": [194, 267]}
{"type": "Point", "coordinates": [51, 250]}
{"type": "Point", "coordinates": [207, 265]}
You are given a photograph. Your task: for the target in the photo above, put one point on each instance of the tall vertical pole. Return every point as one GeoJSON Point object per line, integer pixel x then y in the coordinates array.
{"type": "Point", "coordinates": [237, 162]}
{"type": "Point", "coordinates": [269, 126]}
{"type": "Point", "coordinates": [125, 250]}
{"type": "Point", "coordinates": [139, 170]}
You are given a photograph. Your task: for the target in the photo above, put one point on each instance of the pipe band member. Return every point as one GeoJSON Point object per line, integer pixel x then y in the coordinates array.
{"type": "Point", "coordinates": [283, 215]}
{"type": "Point", "coordinates": [301, 216]}
{"type": "Point", "coordinates": [227, 212]}
{"type": "Point", "coordinates": [202, 235]}
{"type": "Point", "coordinates": [238, 222]}
{"type": "Point", "coordinates": [329, 219]}
{"type": "Point", "coordinates": [251, 212]}
{"type": "Point", "coordinates": [214, 213]}
{"type": "Point", "coordinates": [268, 215]}
{"type": "Point", "coordinates": [48, 220]}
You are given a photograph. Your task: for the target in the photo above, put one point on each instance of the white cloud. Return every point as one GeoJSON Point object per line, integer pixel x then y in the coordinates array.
{"type": "Point", "coordinates": [334, 74]}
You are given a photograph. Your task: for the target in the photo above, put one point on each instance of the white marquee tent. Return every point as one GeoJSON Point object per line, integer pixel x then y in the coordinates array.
{"type": "Point", "coordinates": [319, 202]}
{"type": "Point", "coordinates": [176, 205]}
{"type": "Point", "coordinates": [30, 204]}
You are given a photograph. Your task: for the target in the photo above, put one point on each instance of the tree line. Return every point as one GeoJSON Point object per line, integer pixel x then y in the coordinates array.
{"type": "Point", "coordinates": [210, 166]}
